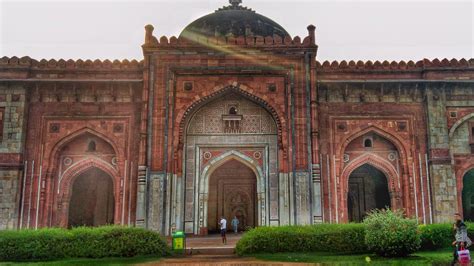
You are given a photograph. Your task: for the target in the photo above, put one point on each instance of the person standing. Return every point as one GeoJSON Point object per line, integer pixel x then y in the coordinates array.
{"type": "Point", "coordinates": [235, 224]}
{"type": "Point", "coordinates": [223, 225]}
{"type": "Point", "coordinates": [462, 240]}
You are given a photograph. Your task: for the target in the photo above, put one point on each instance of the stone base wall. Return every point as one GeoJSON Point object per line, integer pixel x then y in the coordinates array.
{"type": "Point", "coordinates": [9, 198]}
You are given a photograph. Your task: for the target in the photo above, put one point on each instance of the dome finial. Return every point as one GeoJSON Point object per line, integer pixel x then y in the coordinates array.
{"type": "Point", "coordinates": [235, 3]}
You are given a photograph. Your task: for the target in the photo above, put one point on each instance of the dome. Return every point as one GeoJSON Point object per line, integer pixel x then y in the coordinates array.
{"type": "Point", "coordinates": [233, 20]}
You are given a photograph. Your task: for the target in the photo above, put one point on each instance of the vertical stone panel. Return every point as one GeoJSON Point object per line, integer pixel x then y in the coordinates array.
{"type": "Point", "coordinates": [284, 199]}
{"type": "Point", "coordinates": [9, 198]}
{"type": "Point", "coordinates": [302, 203]}
{"type": "Point", "coordinates": [156, 199]}
{"type": "Point", "coordinates": [141, 197]}
{"type": "Point", "coordinates": [443, 180]}
{"type": "Point", "coordinates": [12, 103]}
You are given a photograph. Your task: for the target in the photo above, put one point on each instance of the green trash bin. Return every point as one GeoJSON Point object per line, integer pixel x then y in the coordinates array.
{"type": "Point", "coordinates": [179, 242]}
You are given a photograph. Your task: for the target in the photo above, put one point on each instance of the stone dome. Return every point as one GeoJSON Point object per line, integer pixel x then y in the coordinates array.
{"type": "Point", "coordinates": [233, 20]}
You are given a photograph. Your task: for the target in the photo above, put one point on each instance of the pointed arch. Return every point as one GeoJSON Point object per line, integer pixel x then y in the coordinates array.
{"type": "Point", "coordinates": [65, 187]}
{"type": "Point", "coordinates": [203, 181]}
{"type": "Point", "coordinates": [393, 179]}
{"type": "Point", "coordinates": [459, 123]}
{"type": "Point", "coordinates": [374, 129]}
{"type": "Point", "coordinates": [67, 178]}
{"type": "Point", "coordinates": [376, 161]}
{"type": "Point", "coordinates": [239, 89]}
{"type": "Point", "coordinates": [78, 133]}
{"type": "Point", "coordinates": [232, 155]}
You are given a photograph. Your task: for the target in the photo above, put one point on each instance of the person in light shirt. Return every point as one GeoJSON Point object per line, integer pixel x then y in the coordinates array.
{"type": "Point", "coordinates": [223, 225]}
{"type": "Point", "coordinates": [235, 224]}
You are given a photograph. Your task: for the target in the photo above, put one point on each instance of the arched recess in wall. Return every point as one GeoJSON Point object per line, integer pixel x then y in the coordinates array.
{"type": "Point", "coordinates": [395, 140]}
{"type": "Point", "coordinates": [467, 195]}
{"type": "Point", "coordinates": [458, 123]}
{"type": "Point", "coordinates": [92, 200]}
{"type": "Point", "coordinates": [74, 154]}
{"type": "Point", "coordinates": [368, 189]}
{"type": "Point", "coordinates": [461, 147]}
{"type": "Point", "coordinates": [240, 90]}
{"type": "Point", "coordinates": [375, 150]}
{"type": "Point", "coordinates": [213, 166]}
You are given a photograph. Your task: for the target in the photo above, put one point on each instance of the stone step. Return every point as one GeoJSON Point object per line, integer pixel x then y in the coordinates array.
{"type": "Point", "coordinates": [211, 251]}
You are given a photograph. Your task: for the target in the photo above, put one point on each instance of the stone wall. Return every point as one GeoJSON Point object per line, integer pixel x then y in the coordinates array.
{"type": "Point", "coordinates": [12, 100]}
{"type": "Point", "coordinates": [12, 104]}
{"type": "Point", "coordinates": [9, 198]}
{"type": "Point", "coordinates": [443, 180]}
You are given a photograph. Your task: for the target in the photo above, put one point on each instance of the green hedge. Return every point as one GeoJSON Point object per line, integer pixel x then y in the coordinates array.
{"type": "Point", "coordinates": [340, 238]}
{"type": "Point", "coordinates": [436, 236]}
{"type": "Point", "coordinates": [81, 242]}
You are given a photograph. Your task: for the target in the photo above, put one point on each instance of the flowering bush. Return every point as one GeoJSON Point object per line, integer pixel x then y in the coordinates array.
{"type": "Point", "coordinates": [389, 234]}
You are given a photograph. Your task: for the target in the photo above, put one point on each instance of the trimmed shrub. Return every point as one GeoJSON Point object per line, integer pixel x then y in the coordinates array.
{"type": "Point", "coordinates": [389, 234]}
{"type": "Point", "coordinates": [338, 238]}
{"type": "Point", "coordinates": [81, 242]}
{"type": "Point", "coordinates": [436, 236]}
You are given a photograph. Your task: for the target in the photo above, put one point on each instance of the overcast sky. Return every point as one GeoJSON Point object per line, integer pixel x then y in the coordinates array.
{"type": "Point", "coordinates": [345, 30]}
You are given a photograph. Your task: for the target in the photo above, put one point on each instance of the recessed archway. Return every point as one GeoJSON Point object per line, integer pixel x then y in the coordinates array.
{"type": "Point", "coordinates": [92, 199]}
{"type": "Point", "coordinates": [368, 190]}
{"type": "Point", "coordinates": [468, 195]}
{"type": "Point", "coordinates": [232, 192]}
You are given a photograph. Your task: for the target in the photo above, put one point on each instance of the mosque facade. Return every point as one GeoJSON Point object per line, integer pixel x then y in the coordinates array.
{"type": "Point", "coordinates": [234, 117]}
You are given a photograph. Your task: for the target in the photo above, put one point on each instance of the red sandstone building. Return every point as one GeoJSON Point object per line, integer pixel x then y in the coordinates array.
{"type": "Point", "coordinates": [233, 118]}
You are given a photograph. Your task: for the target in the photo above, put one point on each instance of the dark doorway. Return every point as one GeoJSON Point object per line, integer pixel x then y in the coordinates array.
{"type": "Point", "coordinates": [468, 195]}
{"type": "Point", "coordinates": [368, 190]}
{"type": "Point", "coordinates": [232, 192]}
{"type": "Point", "coordinates": [92, 199]}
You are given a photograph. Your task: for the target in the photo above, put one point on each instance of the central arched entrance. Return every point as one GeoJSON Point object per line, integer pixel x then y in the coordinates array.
{"type": "Point", "coordinates": [229, 126]}
{"type": "Point", "coordinates": [368, 190]}
{"type": "Point", "coordinates": [232, 192]}
{"type": "Point", "coordinates": [92, 199]}
{"type": "Point", "coordinates": [468, 195]}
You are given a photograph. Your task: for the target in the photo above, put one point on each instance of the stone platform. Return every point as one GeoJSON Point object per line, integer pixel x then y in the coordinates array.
{"type": "Point", "coordinates": [211, 245]}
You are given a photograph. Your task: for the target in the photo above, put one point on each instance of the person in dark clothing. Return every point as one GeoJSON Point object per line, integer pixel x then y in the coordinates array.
{"type": "Point", "coordinates": [462, 240]}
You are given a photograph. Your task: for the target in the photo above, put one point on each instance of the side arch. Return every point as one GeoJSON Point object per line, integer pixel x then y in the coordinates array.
{"type": "Point", "coordinates": [65, 187]}
{"type": "Point", "coordinates": [458, 123]}
{"type": "Point", "coordinates": [55, 200]}
{"type": "Point", "coordinates": [393, 179]}
{"type": "Point", "coordinates": [78, 133]}
{"type": "Point", "coordinates": [374, 129]}
{"type": "Point", "coordinates": [381, 164]}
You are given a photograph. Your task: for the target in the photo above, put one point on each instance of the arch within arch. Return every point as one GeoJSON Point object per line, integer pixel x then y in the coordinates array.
{"type": "Point", "coordinates": [65, 187]}
{"type": "Point", "coordinates": [368, 190]}
{"type": "Point", "coordinates": [459, 123]}
{"type": "Point", "coordinates": [195, 106]}
{"type": "Point", "coordinates": [393, 178]}
{"type": "Point", "coordinates": [60, 144]}
{"type": "Point", "coordinates": [373, 129]}
{"type": "Point", "coordinates": [92, 200]}
{"type": "Point", "coordinates": [203, 181]}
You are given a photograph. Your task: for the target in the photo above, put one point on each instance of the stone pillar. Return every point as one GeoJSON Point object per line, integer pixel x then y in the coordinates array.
{"type": "Point", "coordinates": [443, 181]}
{"type": "Point", "coordinates": [317, 203]}
{"type": "Point", "coordinates": [156, 201]}
{"type": "Point", "coordinates": [285, 201]}
{"type": "Point", "coordinates": [141, 197]}
{"type": "Point", "coordinates": [302, 197]}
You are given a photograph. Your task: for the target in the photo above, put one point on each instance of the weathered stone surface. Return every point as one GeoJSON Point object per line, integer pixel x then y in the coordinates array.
{"type": "Point", "coordinates": [298, 124]}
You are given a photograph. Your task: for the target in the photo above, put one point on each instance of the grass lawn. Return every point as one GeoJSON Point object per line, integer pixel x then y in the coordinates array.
{"type": "Point", "coordinates": [440, 257]}
{"type": "Point", "coordinates": [104, 261]}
